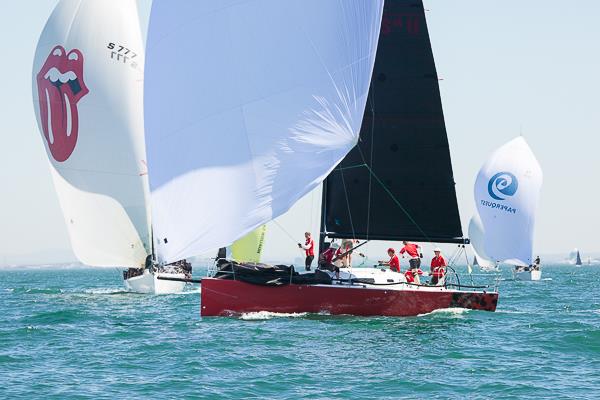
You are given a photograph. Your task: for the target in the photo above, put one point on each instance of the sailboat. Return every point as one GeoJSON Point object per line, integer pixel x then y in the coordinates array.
{"type": "Point", "coordinates": [578, 260]}
{"type": "Point", "coordinates": [268, 104]}
{"type": "Point", "coordinates": [88, 99]}
{"type": "Point", "coordinates": [477, 238]}
{"type": "Point", "coordinates": [507, 190]}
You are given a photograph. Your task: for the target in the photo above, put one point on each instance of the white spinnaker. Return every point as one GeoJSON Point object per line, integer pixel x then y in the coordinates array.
{"type": "Point", "coordinates": [507, 191]}
{"type": "Point", "coordinates": [248, 106]}
{"type": "Point", "coordinates": [88, 99]}
{"type": "Point", "coordinates": [477, 237]}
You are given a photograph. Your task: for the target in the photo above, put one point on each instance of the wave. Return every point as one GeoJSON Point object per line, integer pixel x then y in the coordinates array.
{"type": "Point", "coordinates": [454, 311]}
{"type": "Point", "coordinates": [112, 290]}
{"type": "Point", "coordinates": [265, 315]}
{"type": "Point", "coordinates": [24, 290]}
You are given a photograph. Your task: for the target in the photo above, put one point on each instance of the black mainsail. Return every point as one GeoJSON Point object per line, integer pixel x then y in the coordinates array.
{"type": "Point", "coordinates": [397, 183]}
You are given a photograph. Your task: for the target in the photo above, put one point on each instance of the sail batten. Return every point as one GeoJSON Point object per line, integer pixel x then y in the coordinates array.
{"type": "Point", "coordinates": [397, 183]}
{"type": "Point", "coordinates": [248, 106]}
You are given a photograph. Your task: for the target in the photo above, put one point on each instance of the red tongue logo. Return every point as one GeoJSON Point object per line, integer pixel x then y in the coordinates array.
{"type": "Point", "coordinates": [60, 87]}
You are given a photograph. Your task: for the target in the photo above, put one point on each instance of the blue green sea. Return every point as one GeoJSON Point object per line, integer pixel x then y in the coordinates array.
{"type": "Point", "coordinates": [72, 333]}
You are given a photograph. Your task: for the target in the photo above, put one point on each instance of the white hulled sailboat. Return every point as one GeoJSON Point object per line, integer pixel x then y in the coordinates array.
{"type": "Point", "coordinates": [88, 98]}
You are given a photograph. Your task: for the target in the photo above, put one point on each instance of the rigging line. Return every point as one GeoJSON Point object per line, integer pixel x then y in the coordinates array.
{"type": "Point", "coordinates": [372, 103]}
{"type": "Point", "coordinates": [371, 173]}
{"type": "Point", "coordinates": [469, 267]}
{"type": "Point", "coordinates": [398, 203]}
{"type": "Point", "coordinates": [349, 256]}
{"type": "Point", "coordinates": [285, 231]}
{"type": "Point", "coordinates": [348, 205]}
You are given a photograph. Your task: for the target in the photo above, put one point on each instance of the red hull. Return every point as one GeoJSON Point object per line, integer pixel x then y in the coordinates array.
{"type": "Point", "coordinates": [222, 297]}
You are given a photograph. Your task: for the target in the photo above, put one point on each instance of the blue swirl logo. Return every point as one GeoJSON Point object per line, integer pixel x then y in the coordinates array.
{"type": "Point", "coordinates": [503, 185]}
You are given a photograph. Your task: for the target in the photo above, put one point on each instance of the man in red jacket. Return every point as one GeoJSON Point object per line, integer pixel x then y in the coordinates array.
{"type": "Point", "coordinates": [309, 248]}
{"type": "Point", "coordinates": [394, 262]}
{"type": "Point", "coordinates": [438, 267]}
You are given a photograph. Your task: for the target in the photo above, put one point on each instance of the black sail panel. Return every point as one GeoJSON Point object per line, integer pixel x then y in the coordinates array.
{"type": "Point", "coordinates": [397, 183]}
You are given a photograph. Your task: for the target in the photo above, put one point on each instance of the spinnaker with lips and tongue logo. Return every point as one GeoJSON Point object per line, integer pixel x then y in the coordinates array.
{"type": "Point", "coordinates": [60, 87]}
{"type": "Point", "coordinates": [89, 109]}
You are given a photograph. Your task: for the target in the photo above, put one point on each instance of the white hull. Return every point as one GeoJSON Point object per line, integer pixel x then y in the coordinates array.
{"type": "Point", "coordinates": [149, 283]}
{"type": "Point", "coordinates": [534, 275]}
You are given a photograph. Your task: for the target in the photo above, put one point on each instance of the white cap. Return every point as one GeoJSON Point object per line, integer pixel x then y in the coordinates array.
{"type": "Point", "coordinates": [335, 246]}
{"type": "Point", "coordinates": [437, 249]}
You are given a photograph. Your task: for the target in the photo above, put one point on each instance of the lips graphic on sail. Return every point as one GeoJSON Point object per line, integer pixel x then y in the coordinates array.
{"type": "Point", "coordinates": [60, 87]}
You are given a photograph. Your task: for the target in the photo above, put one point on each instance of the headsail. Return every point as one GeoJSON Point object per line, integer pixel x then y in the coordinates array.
{"type": "Point", "coordinates": [249, 248]}
{"type": "Point", "coordinates": [397, 183]}
{"type": "Point", "coordinates": [477, 237]}
{"type": "Point", "coordinates": [248, 106]}
{"type": "Point", "coordinates": [87, 91]}
{"type": "Point", "coordinates": [507, 190]}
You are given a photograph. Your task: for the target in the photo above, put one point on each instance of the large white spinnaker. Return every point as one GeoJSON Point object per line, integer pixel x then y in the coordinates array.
{"type": "Point", "coordinates": [507, 190]}
{"type": "Point", "coordinates": [248, 106]}
{"type": "Point", "coordinates": [88, 100]}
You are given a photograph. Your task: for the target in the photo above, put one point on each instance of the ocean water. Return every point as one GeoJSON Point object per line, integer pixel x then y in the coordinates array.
{"type": "Point", "coordinates": [70, 333]}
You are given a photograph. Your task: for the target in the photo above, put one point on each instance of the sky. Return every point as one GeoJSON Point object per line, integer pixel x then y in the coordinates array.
{"type": "Point", "coordinates": [508, 67]}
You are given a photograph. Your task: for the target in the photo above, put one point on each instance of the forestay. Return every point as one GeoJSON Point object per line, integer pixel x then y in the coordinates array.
{"type": "Point", "coordinates": [248, 106]}
{"type": "Point", "coordinates": [87, 92]}
{"type": "Point", "coordinates": [507, 190]}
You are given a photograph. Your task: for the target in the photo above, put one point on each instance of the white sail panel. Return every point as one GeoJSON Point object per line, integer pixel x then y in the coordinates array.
{"type": "Point", "coordinates": [477, 238]}
{"type": "Point", "coordinates": [248, 106]}
{"type": "Point", "coordinates": [507, 190]}
{"type": "Point", "coordinates": [88, 100]}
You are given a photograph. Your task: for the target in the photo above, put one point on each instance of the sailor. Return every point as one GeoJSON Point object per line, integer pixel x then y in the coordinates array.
{"type": "Point", "coordinates": [412, 276]}
{"type": "Point", "coordinates": [326, 259]}
{"type": "Point", "coordinates": [536, 263]}
{"type": "Point", "coordinates": [438, 267]}
{"type": "Point", "coordinates": [394, 262]}
{"type": "Point", "coordinates": [412, 249]}
{"type": "Point", "coordinates": [341, 259]}
{"type": "Point", "coordinates": [347, 245]}
{"type": "Point", "coordinates": [309, 248]}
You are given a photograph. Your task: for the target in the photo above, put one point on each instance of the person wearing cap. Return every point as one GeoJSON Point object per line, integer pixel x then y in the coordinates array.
{"type": "Point", "coordinates": [394, 262]}
{"type": "Point", "coordinates": [412, 249]}
{"type": "Point", "coordinates": [438, 267]}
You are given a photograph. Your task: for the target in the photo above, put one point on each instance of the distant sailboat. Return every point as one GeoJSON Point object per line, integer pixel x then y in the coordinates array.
{"type": "Point", "coordinates": [88, 98]}
{"type": "Point", "coordinates": [578, 259]}
{"type": "Point", "coordinates": [507, 190]}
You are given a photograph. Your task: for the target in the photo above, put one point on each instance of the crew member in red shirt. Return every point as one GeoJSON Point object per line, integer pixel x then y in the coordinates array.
{"type": "Point", "coordinates": [438, 267]}
{"type": "Point", "coordinates": [394, 262]}
{"type": "Point", "coordinates": [412, 276]}
{"type": "Point", "coordinates": [326, 259]}
{"type": "Point", "coordinates": [412, 249]}
{"type": "Point", "coordinates": [309, 248]}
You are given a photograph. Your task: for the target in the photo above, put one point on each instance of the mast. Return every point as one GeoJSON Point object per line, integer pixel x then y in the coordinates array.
{"type": "Point", "coordinates": [323, 227]}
